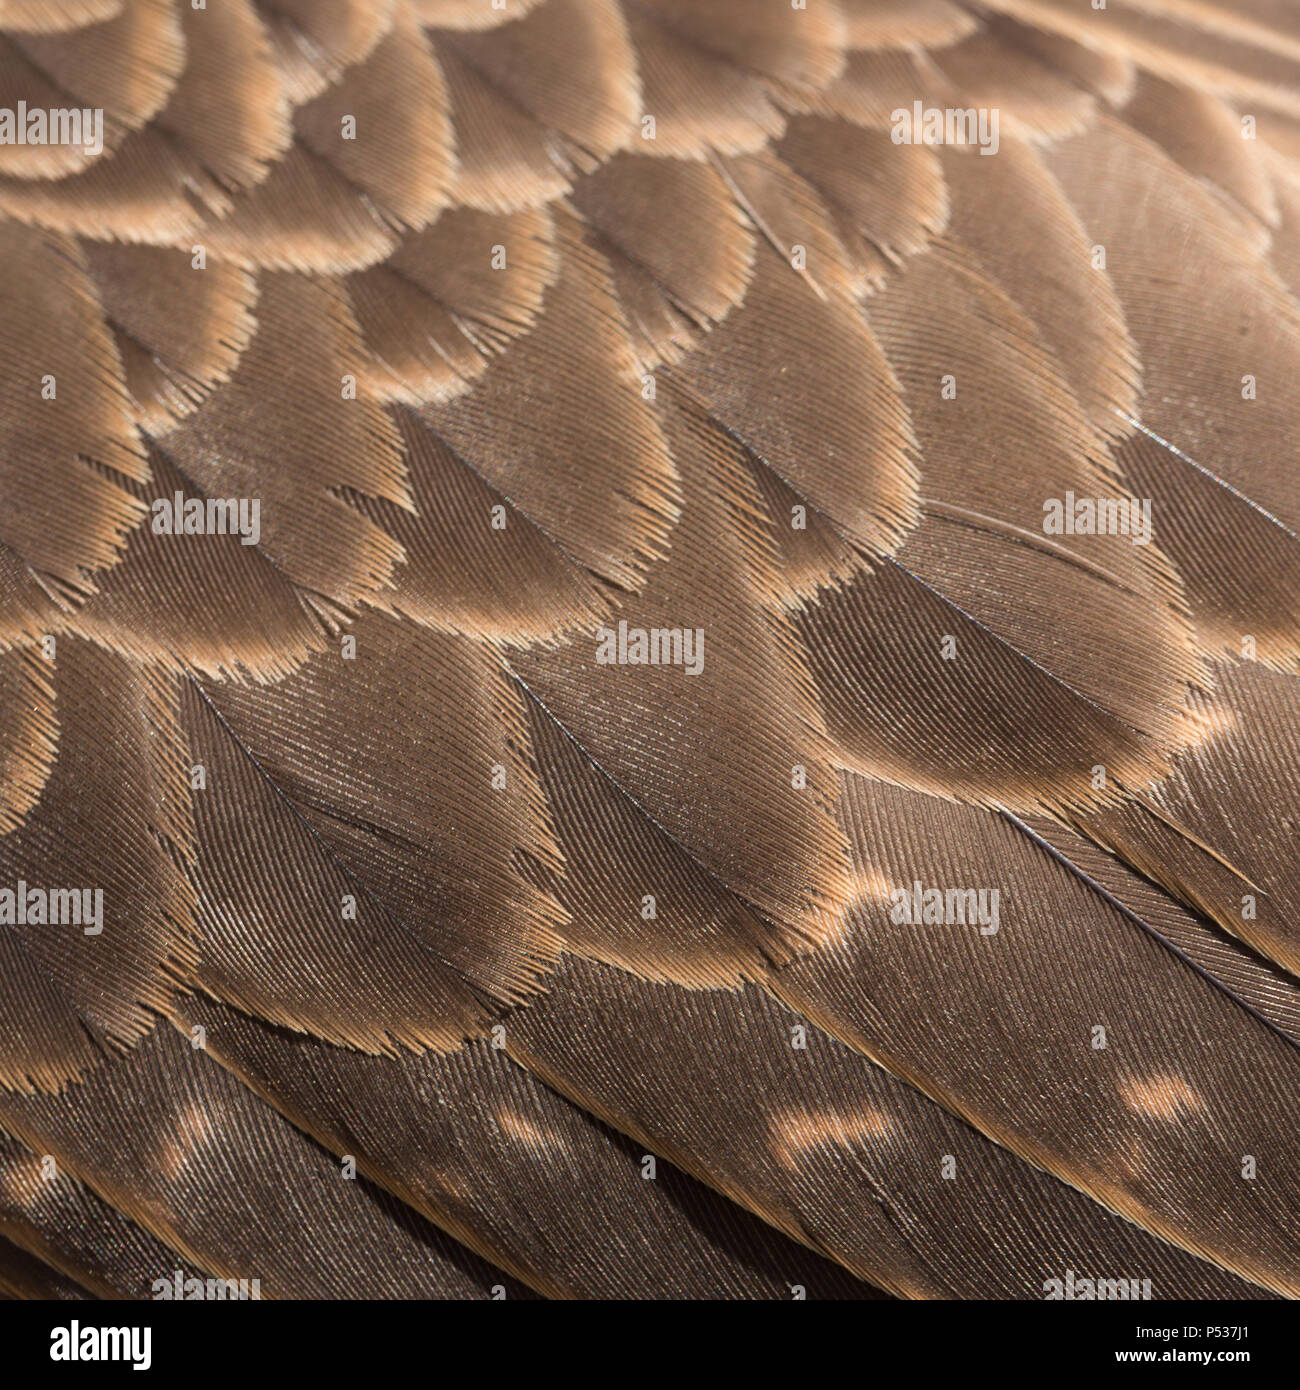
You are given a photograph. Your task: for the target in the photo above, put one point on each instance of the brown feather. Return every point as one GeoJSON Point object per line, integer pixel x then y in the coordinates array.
{"type": "Point", "coordinates": [229, 108]}
{"type": "Point", "coordinates": [1205, 136]}
{"type": "Point", "coordinates": [1196, 350]}
{"type": "Point", "coordinates": [179, 1146]}
{"type": "Point", "coordinates": [434, 854]}
{"type": "Point", "coordinates": [474, 563]}
{"type": "Point", "coordinates": [179, 330]}
{"type": "Point", "coordinates": [1042, 259]}
{"type": "Point", "coordinates": [905, 23]}
{"type": "Point", "coordinates": [507, 161]}
{"type": "Point", "coordinates": [585, 461]}
{"type": "Point", "coordinates": [28, 732]}
{"type": "Point", "coordinates": [22, 1275]}
{"type": "Point", "coordinates": [990, 69]}
{"type": "Point", "coordinates": [1155, 1123]}
{"type": "Point", "coordinates": [60, 1221]}
{"type": "Point", "coordinates": [56, 16]}
{"type": "Point", "coordinates": [1251, 979]}
{"type": "Point", "coordinates": [303, 216]}
{"type": "Point", "coordinates": [136, 193]}
{"type": "Point", "coordinates": [1219, 831]}
{"type": "Point", "coordinates": [470, 14]}
{"type": "Point", "coordinates": [284, 431]}
{"type": "Point", "coordinates": [111, 821]}
{"type": "Point", "coordinates": [1229, 61]}
{"type": "Point", "coordinates": [207, 603]}
{"type": "Point", "coordinates": [127, 66]}
{"type": "Point", "coordinates": [699, 101]}
{"type": "Point", "coordinates": [802, 381]}
{"type": "Point", "coordinates": [530, 62]}
{"type": "Point", "coordinates": [520, 1175]}
{"type": "Point", "coordinates": [826, 1146]}
{"type": "Point", "coordinates": [1008, 440]}
{"type": "Point", "coordinates": [436, 310]}
{"type": "Point", "coordinates": [315, 41]}
{"type": "Point", "coordinates": [65, 422]}
{"type": "Point", "coordinates": [398, 150]}
{"type": "Point", "coordinates": [891, 197]}
{"type": "Point", "coordinates": [746, 765]}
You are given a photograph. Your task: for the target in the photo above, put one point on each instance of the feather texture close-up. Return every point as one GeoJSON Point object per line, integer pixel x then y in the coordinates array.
{"type": "Point", "coordinates": [650, 649]}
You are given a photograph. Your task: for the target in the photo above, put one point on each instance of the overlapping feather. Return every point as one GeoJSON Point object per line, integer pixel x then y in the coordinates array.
{"type": "Point", "coordinates": [522, 321]}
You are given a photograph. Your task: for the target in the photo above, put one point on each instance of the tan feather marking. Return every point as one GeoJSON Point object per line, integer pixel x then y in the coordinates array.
{"type": "Point", "coordinates": [439, 1146]}
{"type": "Point", "coordinates": [1163, 1096]}
{"type": "Point", "coordinates": [57, 16]}
{"type": "Point", "coordinates": [471, 14]}
{"type": "Point", "coordinates": [883, 24]}
{"type": "Point", "coordinates": [528, 1132]}
{"type": "Point", "coordinates": [193, 1129]}
{"type": "Point", "coordinates": [795, 1133]}
{"type": "Point", "coordinates": [303, 1231]}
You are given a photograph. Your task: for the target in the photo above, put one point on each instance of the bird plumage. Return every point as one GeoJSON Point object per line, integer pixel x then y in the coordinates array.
{"type": "Point", "coordinates": [529, 841]}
